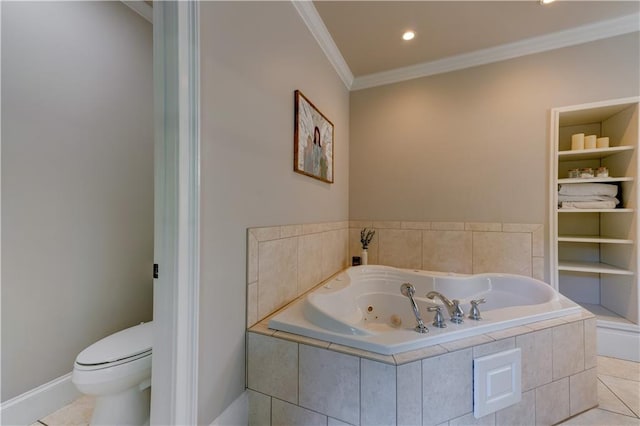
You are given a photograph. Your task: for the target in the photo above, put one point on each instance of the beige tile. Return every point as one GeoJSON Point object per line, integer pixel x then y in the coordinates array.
{"type": "Point", "coordinates": [536, 358]}
{"type": "Point", "coordinates": [252, 258]}
{"type": "Point", "coordinates": [590, 344]}
{"type": "Point", "coordinates": [483, 226]}
{"type": "Point", "coordinates": [262, 327]}
{"type": "Point", "coordinates": [509, 332]}
{"type": "Point", "coordinates": [447, 390]}
{"type": "Point", "coordinates": [272, 367]}
{"type": "Point", "coordinates": [447, 251]}
{"type": "Point", "coordinates": [285, 414]}
{"type": "Point", "coordinates": [607, 400]}
{"type": "Point", "coordinates": [330, 383]}
{"type": "Point", "coordinates": [387, 359]}
{"type": "Point", "coordinates": [422, 353]}
{"type": "Point", "coordinates": [447, 226]}
{"type": "Point", "coordinates": [360, 224]}
{"type": "Point", "coordinates": [467, 342]}
{"type": "Point", "coordinates": [266, 234]}
{"type": "Point", "coordinates": [252, 304]}
{"type": "Point", "coordinates": [583, 391]}
{"type": "Point", "coordinates": [568, 349]}
{"type": "Point", "coordinates": [537, 268]}
{"type": "Point", "coordinates": [290, 231]}
{"type": "Point", "coordinates": [537, 243]}
{"type": "Point", "coordinates": [335, 246]}
{"type": "Point", "coordinates": [378, 393]}
{"type": "Point", "coordinates": [521, 414]}
{"type": "Point", "coordinates": [520, 227]}
{"type": "Point", "coordinates": [552, 402]}
{"type": "Point", "coordinates": [627, 390]}
{"type": "Point", "coordinates": [618, 368]}
{"type": "Point", "coordinates": [597, 417]}
{"type": "Point", "coordinates": [409, 394]}
{"type": "Point", "coordinates": [301, 339]}
{"type": "Point", "coordinates": [259, 409]}
{"type": "Point", "coordinates": [277, 274]}
{"type": "Point", "coordinates": [502, 252]}
{"type": "Point", "coordinates": [309, 261]}
{"type": "Point", "coordinates": [78, 413]}
{"type": "Point", "coordinates": [334, 422]}
{"type": "Point", "coordinates": [386, 224]}
{"type": "Point", "coordinates": [550, 323]}
{"type": "Point", "coordinates": [400, 248]}
{"type": "Point", "coordinates": [415, 225]}
{"type": "Point", "coordinates": [470, 420]}
{"type": "Point", "coordinates": [494, 347]}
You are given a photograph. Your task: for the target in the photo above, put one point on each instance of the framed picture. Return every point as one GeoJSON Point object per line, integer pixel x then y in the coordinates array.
{"type": "Point", "coordinates": [312, 141]}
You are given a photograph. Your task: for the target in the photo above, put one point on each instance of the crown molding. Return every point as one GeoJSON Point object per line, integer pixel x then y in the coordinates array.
{"type": "Point", "coordinates": [311, 18]}
{"type": "Point", "coordinates": [141, 8]}
{"type": "Point", "coordinates": [583, 34]}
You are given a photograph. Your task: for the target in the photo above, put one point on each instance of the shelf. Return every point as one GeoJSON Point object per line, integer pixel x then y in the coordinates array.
{"type": "Point", "coordinates": [604, 314]}
{"type": "Point", "coordinates": [595, 210]}
{"type": "Point", "coordinates": [593, 267]}
{"type": "Point", "coordinates": [592, 154]}
{"type": "Point", "coordinates": [596, 180]}
{"type": "Point", "coordinates": [592, 239]}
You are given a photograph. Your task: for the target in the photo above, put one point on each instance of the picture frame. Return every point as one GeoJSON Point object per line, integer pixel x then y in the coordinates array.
{"type": "Point", "coordinates": [313, 141]}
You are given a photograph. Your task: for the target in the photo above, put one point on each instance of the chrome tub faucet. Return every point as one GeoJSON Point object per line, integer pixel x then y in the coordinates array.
{"type": "Point", "coordinates": [408, 290]}
{"type": "Point", "coordinates": [453, 306]}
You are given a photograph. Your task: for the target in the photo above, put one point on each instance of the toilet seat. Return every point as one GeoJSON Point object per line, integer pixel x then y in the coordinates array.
{"type": "Point", "coordinates": [122, 347]}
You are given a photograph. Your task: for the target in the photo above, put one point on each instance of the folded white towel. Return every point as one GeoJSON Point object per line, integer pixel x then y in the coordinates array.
{"type": "Point", "coordinates": [588, 205]}
{"type": "Point", "coordinates": [563, 198]}
{"type": "Point", "coordinates": [588, 189]}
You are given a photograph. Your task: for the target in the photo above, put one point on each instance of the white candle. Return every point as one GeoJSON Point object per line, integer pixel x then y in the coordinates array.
{"type": "Point", "coordinates": [602, 143]}
{"type": "Point", "coordinates": [577, 141]}
{"type": "Point", "coordinates": [590, 142]}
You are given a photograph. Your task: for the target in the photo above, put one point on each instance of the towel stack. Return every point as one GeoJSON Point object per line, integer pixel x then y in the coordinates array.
{"type": "Point", "coordinates": [587, 196]}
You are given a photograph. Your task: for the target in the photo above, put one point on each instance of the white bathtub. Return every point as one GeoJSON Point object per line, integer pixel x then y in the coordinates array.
{"type": "Point", "coordinates": [362, 307]}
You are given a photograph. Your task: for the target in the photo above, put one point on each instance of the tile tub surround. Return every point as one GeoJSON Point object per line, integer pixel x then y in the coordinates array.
{"type": "Point", "coordinates": [284, 262]}
{"type": "Point", "coordinates": [296, 380]}
{"type": "Point", "coordinates": [463, 247]}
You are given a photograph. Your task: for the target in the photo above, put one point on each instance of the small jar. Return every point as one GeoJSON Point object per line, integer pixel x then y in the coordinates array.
{"type": "Point", "coordinates": [586, 173]}
{"type": "Point", "coordinates": [602, 172]}
{"type": "Point", "coordinates": [574, 173]}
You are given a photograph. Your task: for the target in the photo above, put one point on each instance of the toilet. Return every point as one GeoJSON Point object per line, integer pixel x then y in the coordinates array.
{"type": "Point", "coordinates": [117, 371]}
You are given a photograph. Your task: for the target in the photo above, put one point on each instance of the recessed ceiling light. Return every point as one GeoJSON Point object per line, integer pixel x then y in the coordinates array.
{"type": "Point", "coordinates": [408, 35]}
{"type": "Point", "coordinates": [546, 1]}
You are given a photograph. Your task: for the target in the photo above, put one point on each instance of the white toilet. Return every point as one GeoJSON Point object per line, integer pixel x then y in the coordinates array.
{"type": "Point", "coordinates": [117, 371]}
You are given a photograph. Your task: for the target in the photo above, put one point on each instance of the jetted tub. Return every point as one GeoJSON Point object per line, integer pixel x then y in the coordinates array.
{"type": "Point", "coordinates": [362, 307]}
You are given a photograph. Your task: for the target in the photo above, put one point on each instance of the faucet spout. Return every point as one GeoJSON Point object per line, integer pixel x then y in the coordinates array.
{"type": "Point", "coordinates": [453, 306]}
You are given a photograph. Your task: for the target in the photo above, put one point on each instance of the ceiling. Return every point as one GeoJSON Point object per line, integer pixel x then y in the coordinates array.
{"type": "Point", "coordinates": [368, 33]}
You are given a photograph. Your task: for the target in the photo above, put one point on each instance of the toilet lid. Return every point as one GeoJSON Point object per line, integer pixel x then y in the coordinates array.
{"type": "Point", "coordinates": [124, 344]}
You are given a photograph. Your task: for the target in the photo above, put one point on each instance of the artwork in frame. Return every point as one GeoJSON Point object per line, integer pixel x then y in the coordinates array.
{"type": "Point", "coordinates": [313, 141]}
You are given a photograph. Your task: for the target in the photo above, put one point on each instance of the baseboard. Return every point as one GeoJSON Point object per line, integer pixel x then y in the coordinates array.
{"type": "Point", "coordinates": [37, 403]}
{"type": "Point", "coordinates": [236, 414]}
{"type": "Point", "coordinates": [618, 340]}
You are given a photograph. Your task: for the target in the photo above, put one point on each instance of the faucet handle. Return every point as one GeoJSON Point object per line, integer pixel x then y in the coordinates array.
{"type": "Point", "coordinates": [438, 320]}
{"type": "Point", "coordinates": [457, 315]}
{"type": "Point", "coordinates": [474, 314]}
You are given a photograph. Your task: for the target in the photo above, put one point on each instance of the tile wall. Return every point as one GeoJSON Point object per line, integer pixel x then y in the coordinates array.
{"type": "Point", "coordinates": [468, 248]}
{"type": "Point", "coordinates": [284, 262]}
{"type": "Point", "coordinates": [296, 380]}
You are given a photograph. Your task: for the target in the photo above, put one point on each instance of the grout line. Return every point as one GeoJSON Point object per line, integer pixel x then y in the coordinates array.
{"type": "Point", "coordinates": [616, 395]}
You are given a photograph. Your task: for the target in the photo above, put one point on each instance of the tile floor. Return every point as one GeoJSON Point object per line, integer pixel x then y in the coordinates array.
{"type": "Point", "coordinates": [618, 396]}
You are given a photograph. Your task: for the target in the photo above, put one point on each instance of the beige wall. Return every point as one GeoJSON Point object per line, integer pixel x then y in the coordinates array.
{"type": "Point", "coordinates": [253, 57]}
{"type": "Point", "coordinates": [77, 182]}
{"type": "Point", "coordinates": [472, 145]}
